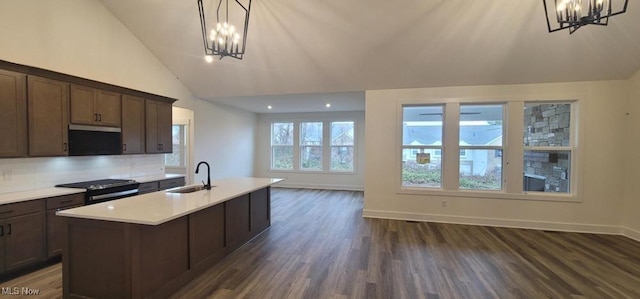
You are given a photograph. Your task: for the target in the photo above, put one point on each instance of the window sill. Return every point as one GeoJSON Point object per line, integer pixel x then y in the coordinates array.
{"type": "Point", "coordinates": [313, 172]}
{"type": "Point", "coordinates": [536, 196]}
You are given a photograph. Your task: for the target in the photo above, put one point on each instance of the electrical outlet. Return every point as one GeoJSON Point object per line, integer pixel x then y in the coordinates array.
{"type": "Point", "coordinates": [6, 175]}
{"type": "Point", "coordinates": [444, 203]}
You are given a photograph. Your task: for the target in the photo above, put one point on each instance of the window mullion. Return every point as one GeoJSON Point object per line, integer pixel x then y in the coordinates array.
{"type": "Point", "coordinates": [296, 145]}
{"type": "Point", "coordinates": [450, 147]}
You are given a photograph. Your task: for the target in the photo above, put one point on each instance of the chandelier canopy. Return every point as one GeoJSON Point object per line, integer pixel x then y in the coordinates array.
{"type": "Point", "coordinates": [573, 14]}
{"type": "Point", "coordinates": [226, 38]}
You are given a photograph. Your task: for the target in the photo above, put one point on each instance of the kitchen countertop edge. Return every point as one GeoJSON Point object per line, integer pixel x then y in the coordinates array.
{"type": "Point", "coordinates": [146, 203]}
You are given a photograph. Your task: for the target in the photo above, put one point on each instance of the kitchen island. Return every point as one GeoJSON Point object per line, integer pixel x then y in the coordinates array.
{"type": "Point", "coordinates": [148, 246]}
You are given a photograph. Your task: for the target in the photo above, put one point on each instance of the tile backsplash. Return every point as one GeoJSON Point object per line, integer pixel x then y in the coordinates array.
{"type": "Point", "coordinates": [24, 174]}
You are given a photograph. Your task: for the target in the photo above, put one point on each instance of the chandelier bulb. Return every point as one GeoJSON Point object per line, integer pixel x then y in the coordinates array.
{"type": "Point", "coordinates": [221, 40]}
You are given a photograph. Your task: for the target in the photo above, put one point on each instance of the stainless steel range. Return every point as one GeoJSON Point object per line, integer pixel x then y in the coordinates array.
{"type": "Point", "coordinates": [105, 190]}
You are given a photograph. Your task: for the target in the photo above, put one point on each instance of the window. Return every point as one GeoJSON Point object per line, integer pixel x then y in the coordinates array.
{"type": "Point", "coordinates": [342, 142]}
{"type": "Point", "coordinates": [177, 161]}
{"type": "Point", "coordinates": [480, 139]}
{"type": "Point", "coordinates": [468, 146]}
{"type": "Point", "coordinates": [178, 138]}
{"type": "Point", "coordinates": [282, 146]}
{"type": "Point", "coordinates": [422, 146]}
{"type": "Point", "coordinates": [548, 147]}
{"type": "Point", "coordinates": [311, 146]}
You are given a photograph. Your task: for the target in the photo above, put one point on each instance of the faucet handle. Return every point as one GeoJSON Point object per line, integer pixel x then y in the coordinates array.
{"type": "Point", "coordinates": [204, 184]}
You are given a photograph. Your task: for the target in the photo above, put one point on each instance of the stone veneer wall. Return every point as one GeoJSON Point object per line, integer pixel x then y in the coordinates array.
{"type": "Point", "coordinates": [549, 125]}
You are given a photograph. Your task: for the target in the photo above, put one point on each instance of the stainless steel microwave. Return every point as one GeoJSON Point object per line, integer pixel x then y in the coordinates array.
{"type": "Point", "coordinates": [94, 140]}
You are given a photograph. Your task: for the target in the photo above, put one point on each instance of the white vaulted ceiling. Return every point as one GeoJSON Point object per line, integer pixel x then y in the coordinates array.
{"type": "Point", "coordinates": [344, 47]}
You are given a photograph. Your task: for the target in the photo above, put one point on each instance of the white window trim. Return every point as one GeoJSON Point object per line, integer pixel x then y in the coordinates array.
{"type": "Point", "coordinates": [326, 145]}
{"type": "Point", "coordinates": [513, 148]}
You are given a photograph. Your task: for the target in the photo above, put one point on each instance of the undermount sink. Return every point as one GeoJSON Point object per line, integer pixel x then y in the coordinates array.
{"type": "Point", "coordinates": [187, 189]}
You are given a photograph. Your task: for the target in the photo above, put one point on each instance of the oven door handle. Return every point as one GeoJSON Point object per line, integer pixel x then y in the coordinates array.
{"type": "Point", "coordinates": [116, 194]}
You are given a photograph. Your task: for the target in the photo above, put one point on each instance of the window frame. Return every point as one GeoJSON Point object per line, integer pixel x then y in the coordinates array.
{"type": "Point", "coordinates": [331, 146]}
{"type": "Point", "coordinates": [513, 148]}
{"type": "Point", "coordinates": [303, 146]}
{"type": "Point", "coordinates": [272, 146]}
{"type": "Point", "coordinates": [326, 145]}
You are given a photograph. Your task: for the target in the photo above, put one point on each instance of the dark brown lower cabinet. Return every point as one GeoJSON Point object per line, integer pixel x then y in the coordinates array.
{"type": "Point", "coordinates": [237, 223]}
{"type": "Point", "coordinates": [206, 235]}
{"type": "Point", "coordinates": [22, 238]}
{"type": "Point", "coordinates": [23, 241]}
{"type": "Point", "coordinates": [55, 224]}
{"type": "Point", "coordinates": [106, 259]}
{"type": "Point", "coordinates": [260, 202]}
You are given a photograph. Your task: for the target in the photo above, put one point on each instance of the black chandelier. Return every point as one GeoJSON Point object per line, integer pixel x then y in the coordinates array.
{"type": "Point", "coordinates": [225, 39]}
{"type": "Point", "coordinates": [573, 14]}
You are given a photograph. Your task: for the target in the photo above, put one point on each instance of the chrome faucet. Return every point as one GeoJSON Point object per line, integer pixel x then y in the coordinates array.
{"type": "Point", "coordinates": [208, 184]}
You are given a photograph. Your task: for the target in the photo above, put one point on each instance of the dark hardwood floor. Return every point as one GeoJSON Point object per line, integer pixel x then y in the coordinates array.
{"type": "Point", "coordinates": [319, 246]}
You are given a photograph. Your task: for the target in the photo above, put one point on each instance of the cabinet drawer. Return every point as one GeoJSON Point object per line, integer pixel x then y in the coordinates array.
{"type": "Point", "coordinates": [65, 201]}
{"type": "Point", "coordinates": [148, 187]}
{"type": "Point", "coordinates": [21, 208]}
{"type": "Point", "coordinates": [171, 183]}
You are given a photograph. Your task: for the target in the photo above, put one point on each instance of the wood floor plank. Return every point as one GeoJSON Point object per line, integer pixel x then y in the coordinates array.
{"type": "Point", "coordinates": [319, 246]}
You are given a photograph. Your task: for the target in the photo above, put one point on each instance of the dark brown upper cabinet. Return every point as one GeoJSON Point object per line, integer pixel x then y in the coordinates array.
{"type": "Point", "coordinates": [13, 114]}
{"type": "Point", "coordinates": [48, 106]}
{"type": "Point", "coordinates": [158, 127]}
{"type": "Point", "coordinates": [90, 106]}
{"type": "Point", "coordinates": [133, 125]}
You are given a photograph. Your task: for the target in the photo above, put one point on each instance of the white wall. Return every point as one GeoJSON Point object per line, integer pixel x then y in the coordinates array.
{"type": "Point", "coordinates": [632, 164]}
{"type": "Point", "coordinates": [82, 38]}
{"type": "Point", "coordinates": [299, 179]}
{"type": "Point", "coordinates": [599, 209]}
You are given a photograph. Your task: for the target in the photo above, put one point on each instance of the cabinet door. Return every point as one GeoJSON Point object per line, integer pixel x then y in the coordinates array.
{"type": "Point", "coordinates": [48, 105]}
{"type": "Point", "coordinates": [82, 110]}
{"type": "Point", "coordinates": [237, 224]}
{"type": "Point", "coordinates": [206, 235]}
{"type": "Point", "coordinates": [151, 134]}
{"type": "Point", "coordinates": [164, 128]}
{"type": "Point", "coordinates": [108, 108]}
{"type": "Point", "coordinates": [55, 232]}
{"type": "Point", "coordinates": [132, 125]}
{"type": "Point", "coordinates": [24, 240]}
{"type": "Point", "coordinates": [13, 114]}
{"type": "Point", "coordinates": [260, 210]}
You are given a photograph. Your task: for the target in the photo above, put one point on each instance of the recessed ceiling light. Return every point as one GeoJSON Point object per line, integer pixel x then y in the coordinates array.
{"type": "Point", "coordinates": [208, 58]}
{"type": "Point", "coordinates": [269, 107]}
{"type": "Point", "coordinates": [328, 105]}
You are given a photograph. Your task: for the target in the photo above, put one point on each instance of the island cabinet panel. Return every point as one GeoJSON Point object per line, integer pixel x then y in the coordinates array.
{"type": "Point", "coordinates": [99, 257]}
{"type": "Point", "coordinates": [260, 210]}
{"type": "Point", "coordinates": [13, 114]}
{"type": "Point", "coordinates": [133, 124]}
{"type": "Point", "coordinates": [237, 221]}
{"type": "Point", "coordinates": [110, 259]}
{"type": "Point", "coordinates": [48, 107]}
{"type": "Point", "coordinates": [163, 255]}
{"type": "Point", "coordinates": [90, 106]}
{"type": "Point", "coordinates": [206, 235]}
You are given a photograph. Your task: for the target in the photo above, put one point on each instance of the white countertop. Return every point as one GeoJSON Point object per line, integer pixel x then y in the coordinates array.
{"type": "Point", "coordinates": [155, 177]}
{"type": "Point", "coordinates": [160, 207]}
{"type": "Point", "coordinates": [13, 197]}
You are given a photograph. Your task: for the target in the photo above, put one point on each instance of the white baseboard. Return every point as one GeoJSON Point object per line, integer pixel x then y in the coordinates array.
{"type": "Point", "coordinates": [539, 225]}
{"type": "Point", "coordinates": [284, 184]}
{"type": "Point", "coordinates": [631, 234]}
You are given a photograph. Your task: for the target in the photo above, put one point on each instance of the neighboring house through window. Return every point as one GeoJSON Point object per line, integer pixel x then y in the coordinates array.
{"type": "Point", "coordinates": [480, 128]}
